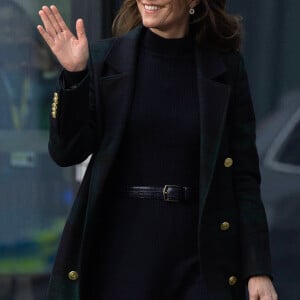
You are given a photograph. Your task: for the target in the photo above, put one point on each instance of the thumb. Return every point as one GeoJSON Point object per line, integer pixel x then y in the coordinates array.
{"type": "Point", "coordinates": [80, 29]}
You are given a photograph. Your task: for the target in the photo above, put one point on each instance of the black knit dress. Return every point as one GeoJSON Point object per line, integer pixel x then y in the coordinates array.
{"type": "Point", "coordinates": [147, 249]}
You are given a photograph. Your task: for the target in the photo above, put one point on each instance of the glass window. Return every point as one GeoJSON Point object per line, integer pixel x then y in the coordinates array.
{"type": "Point", "coordinates": [289, 153]}
{"type": "Point", "coordinates": [283, 154]}
{"type": "Point", "coordinates": [35, 194]}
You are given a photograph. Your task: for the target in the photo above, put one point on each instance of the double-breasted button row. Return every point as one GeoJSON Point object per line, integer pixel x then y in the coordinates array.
{"type": "Point", "coordinates": [54, 105]}
{"type": "Point", "coordinates": [73, 275]}
{"type": "Point", "coordinates": [225, 226]}
{"type": "Point", "coordinates": [232, 280]}
{"type": "Point", "coordinates": [228, 162]}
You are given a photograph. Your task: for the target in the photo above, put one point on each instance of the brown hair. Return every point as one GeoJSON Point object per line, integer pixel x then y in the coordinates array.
{"type": "Point", "coordinates": [211, 23]}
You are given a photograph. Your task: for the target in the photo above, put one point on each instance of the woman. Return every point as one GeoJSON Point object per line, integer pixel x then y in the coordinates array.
{"type": "Point", "coordinates": [148, 223]}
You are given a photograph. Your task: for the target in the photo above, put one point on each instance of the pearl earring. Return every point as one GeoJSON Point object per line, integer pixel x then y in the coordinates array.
{"type": "Point", "coordinates": [192, 11]}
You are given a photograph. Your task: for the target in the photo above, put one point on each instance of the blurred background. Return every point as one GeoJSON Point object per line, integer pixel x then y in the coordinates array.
{"type": "Point", "coordinates": [36, 195]}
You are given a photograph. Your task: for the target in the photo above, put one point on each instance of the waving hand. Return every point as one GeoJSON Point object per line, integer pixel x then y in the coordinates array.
{"type": "Point", "coordinates": [70, 50]}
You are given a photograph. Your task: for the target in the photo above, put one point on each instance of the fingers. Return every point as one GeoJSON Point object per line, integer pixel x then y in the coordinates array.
{"type": "Point", "coordinates": [80, 29]}
{"type": "Point", "coordinates": [59, 19]}
{"type": "Point", "coordinates": [47, 23]}
{"type": "Point", "coordinates": [46, 36]}
{"type": "Point", "coordinates": [253, 296]}
{"type": "Point", "coordinates": [261, 288]}
{"type": "Point", "coordinates": [52, 20]}
{"type": "Point", "coordinates": [55, 26]}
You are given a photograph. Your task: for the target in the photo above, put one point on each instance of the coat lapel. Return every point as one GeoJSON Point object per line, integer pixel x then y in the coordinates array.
{"type": "Point", "coordinates": [116, 92]}
{"type": "Point", "coordinates": [213, 100]}
{"type": "Point", "coordinates": [117, 89]}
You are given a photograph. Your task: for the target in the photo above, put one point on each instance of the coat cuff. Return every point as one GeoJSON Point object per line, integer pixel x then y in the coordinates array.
{"type": "Point", "coordinates": [72, 79]}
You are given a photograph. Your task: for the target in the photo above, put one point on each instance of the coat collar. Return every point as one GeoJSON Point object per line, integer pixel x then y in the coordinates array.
{"type": "Point", "coordinates": [124, 53]}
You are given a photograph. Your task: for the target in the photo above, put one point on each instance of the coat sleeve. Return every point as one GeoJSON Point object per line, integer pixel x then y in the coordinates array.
{"type": "Point", "coordinates": [73, 121]}
{"type": "Point", "coordinates": [246, 179]}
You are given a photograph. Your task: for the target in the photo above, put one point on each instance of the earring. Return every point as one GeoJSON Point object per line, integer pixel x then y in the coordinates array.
{"type": "Point", "coordinates": [192, 11]}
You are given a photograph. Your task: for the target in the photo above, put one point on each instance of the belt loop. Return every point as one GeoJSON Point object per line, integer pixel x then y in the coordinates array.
{"type": "Point", "coordinates": [186, 193]}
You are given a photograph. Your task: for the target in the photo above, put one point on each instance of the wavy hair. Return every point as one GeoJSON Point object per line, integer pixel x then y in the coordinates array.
{"type": "Point", "coordinates": [211, 23]}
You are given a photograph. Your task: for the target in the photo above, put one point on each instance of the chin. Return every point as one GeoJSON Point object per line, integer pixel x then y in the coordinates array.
{"type": "Point", "coordinates": [150, 24]}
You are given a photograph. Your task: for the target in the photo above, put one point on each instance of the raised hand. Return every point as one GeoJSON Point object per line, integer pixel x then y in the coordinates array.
{"type": "Point", "coordinates": [70, 50]}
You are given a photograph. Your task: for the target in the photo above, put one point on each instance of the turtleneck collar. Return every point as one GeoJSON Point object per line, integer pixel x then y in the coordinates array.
{"type": "Point", "coordinates": [167, 47]}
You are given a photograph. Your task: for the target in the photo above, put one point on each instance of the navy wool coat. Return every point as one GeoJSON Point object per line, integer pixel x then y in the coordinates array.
{"type": "Point", "coordinates": [90, 118]}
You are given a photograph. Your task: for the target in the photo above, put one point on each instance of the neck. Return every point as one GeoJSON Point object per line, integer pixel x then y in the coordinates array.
{"type": "Point", "coordinates": [171, 34]}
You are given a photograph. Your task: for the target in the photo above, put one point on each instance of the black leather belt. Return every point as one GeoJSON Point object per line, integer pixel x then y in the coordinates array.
{"type": "Point", "coordinates": [170, 193]}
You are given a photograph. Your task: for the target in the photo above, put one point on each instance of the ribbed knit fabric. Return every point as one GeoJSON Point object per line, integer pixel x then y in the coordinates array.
{"type": "Point", "coordinates": [146, 249]}
{"type": "Point", "coordinates": [162, 137]}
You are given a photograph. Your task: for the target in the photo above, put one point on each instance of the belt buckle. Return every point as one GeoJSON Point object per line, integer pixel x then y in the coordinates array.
{"type": "Point", "coordinates": [165, 193]}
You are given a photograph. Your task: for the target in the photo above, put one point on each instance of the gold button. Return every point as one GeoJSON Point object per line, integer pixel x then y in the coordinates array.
{"type": "Point", "coordinates": [232, 280]}
{"type": "Point", "coordinates": [54, 106]}
{"type": "Point", "coordinates": [55, 95]}
{"type": "Point", "coordinates": [228, 162]}
{"type": "Point", "coordinates": [73, 275]}
{"type": "Point", "coordinates": [225, 226]}
{"type": "Point", "coordinates": [55, 100]}
{"type": "Point", "coordinates": [54, 115]}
